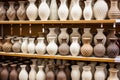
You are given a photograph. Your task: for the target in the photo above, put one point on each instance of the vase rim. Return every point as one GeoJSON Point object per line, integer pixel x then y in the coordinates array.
{"type": "Point", "coordinates": [40, 38]}
{"type": "Point", "coordinates": [23, 65]}
{"type": "Point", "coordinates": [113, 70]}
{"type": "Point", "coordinates": [113, 38]}
{"type": "Point", "coordinates": [99, 67]}
{"type": "Point", "coordinates": [87, 67]}
{"type": "Point", "coordinates": [75, 66]}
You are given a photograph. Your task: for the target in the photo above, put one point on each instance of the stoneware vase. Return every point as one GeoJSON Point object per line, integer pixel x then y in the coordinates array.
{"type": "Point", "coordinates": [32, 11]}
{"type": "Point", "coordinates": [31, 46]}
{"type": "Point", "coordinates": [2, 11]}
{"type": "Point", "coordinates": [44, 10]}
{"type": "Point", "coordinates": [13, 73]}
{"type": "Point", "coordinates": [32, 73]}
{"type": "Point", "coordinates": [40, 74]}
{"type": "Point", "coordinates": [100, 9]}
{"type": "Point", "coordinates": [24, 46]}
{"type": "Point", "coordinates": [63, 10]}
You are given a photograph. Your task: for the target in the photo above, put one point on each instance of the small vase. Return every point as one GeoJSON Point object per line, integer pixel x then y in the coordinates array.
{"type": "Point", "coordinates": [2, 11]}
{"type": "Point", "coordinates": [1, 44]}
{"type": "Point", "coordinates": [32, 73]}
{"type": "Point", "coordinates": [63, 10]}
{"type": "Point", "coordinates": [41, 74]}
{"type": "Point", "coordinates": [24, 46]}
{"type": "Point", "coordinates": [31, 46]}
{"type": "Point", "coordinates": [86, 49]}
{"type": "Point", "coordinates": [13, 73]}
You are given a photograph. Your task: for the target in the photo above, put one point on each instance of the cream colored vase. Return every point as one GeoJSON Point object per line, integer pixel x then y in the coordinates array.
{"type": "Point", "coordinates": [31, 46]}
{"type": "Point", "coordinates": [24, 46]}
{"type": "Point", "coordinates": [32, 73]}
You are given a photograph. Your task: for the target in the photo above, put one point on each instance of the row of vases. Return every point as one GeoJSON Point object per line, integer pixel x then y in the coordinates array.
{"type": "Point", "coordinates": [100, 10]}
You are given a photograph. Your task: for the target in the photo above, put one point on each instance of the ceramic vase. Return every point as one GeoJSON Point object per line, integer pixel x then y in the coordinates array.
{"type": "Point", "coordinates": [63, 10]}
{"type": "Point", "coordinates": [1, 44]}
{"type": "Point", "coordinates": [43, 10]}
{"type": "Point", "coordinates": [71, 5]}
{"type": "Point", "coordinates": [13, 73]}
{"type": "Point", "coordinates": [41, 46]}
{"type": "Point", "coordinates": [52, 50]}
{"type": "Point", "coordinates": [21, 12]}
{"type": "Point", "coordinates": [105, 69]}
{"type": "Point", "coordinates": [41, 74]}
{"type": "Point", "coordinates": [86, 49]}
{"type": "Point", "coordinates": [74, 47]}
{"type": "Point", "coordinates": [31, 46]}
{"type": "Point", "coordinates": [76, 11]}
{"type": "Point", "coordinates": [30, 9]}
{"type": "Point", "coordinates": [2, 11]}
{"type": "Point", "coordinates": [100, 9]}
{"type": "Point", "coordinates": [87, 12]}
{"type": "Point", "coordinates": [32, 73]}
{"type": "Point", "coordinates": [24, 46]}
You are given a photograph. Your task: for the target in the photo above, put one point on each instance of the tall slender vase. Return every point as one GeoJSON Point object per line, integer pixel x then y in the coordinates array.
{"type": "Point", "coordinates": [71, 5]}
{"type": "Point", "coordinates": [2, 11]}
{"type": "Point", "coordinates": [31, 46]}
{"type": "Point", "coordinates": [24, 46]}
{"type": "Point", "coordinates": [41, 74]}
{"type": "Point", "coordinates": [32, 73]}
{"type": "Point", "coordinates": [13, 73]}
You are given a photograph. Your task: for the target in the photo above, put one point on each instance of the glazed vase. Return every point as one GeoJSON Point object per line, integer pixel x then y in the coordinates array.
{"type": "Point", "coordinates": [21, 12]}
{"type": "Point", "coordinates": [76, 11]}
{"type": "Point", "coordinates": [44, 10]}
{"type": "Point", "coordinates": [75, 73]}
{"type": "Point", "coordinates": [1, 44]}
{"type": "Point", "coordinates": [11, 12]}
{"type": "Point", "coordinates": [75, 47]}
{"type": "Point", "coordinates": [23, 75]}
{"type": "Point", "coordinates": [41, 46]}
{"type": "Point", "coordinates": [100, 34]}
{"type": "Point", "coordinates": [87, 12]}
{"type": "Point", "coordinates": [52, 50]}
{"type": "Point", "coordinates": [53, 10]}
{"type": "Point", "coordinates": [86, 49]}
{"type": "Point", "coordinates": [30, 9]}
{"type": "Point", "coordinates": [114, 12]}
{"type": "Point", "coordinates": [24, 46]}
{"type": "Point", "coordinates": [64, 47]}
{"type": "Point", "coordinates": [2, 11]}
{"type": "Point", "coordinates": [31, 46]}
{"type": "Point", "coordinates": [13, 73]}
{"type": "Point", "coordinates": [67, 71]}
{"type": "Point", "coordinates": [32, 73]}
{"type": "Point", "coordinates": [112, 49]}
{"type": "Point", "coordinates": [63, 10]}
{"type": "Point", "coordinates": [41, 74]}
{"type": "Point", "coordinates": [70, 7]}
{"type": "Point", "coordinates": [100, 9]}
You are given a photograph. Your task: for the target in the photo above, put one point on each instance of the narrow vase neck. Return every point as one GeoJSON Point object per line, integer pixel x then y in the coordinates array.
{"type": "Point", "coordinates": [43, 1]}
{"type": "Point", "coordinates": [41, 40]}
{"type": "Point", "coordinates": [75, 30]}
{"type": "Point", "coordinates": [88, 3]}
{"type": "Point", "coordinates": [52, 30]}
{"type": "Point", "coordinates": [21, 3]}
{"type": "Point", "coordinates": [63, 1]}
{"type": "Point", "coordinates": [63, 30]}
{"type": "Point", "coordinates": [87, 30]}
{"type": "Point", "coordinates": [11, 4]}
{"type": "Point", "coordinates": [100, 31]}
{"type": "Point", "coordinates": [114, 3]}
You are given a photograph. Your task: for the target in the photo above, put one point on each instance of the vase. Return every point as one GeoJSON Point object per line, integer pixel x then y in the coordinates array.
{"type": "Point", "coordinates": [114, 12]}
{"type": "Point", "coordinates": [67, 71]}
{"type": "Point", "coordinates": [100, 34]}
{"type": "Point", "coordinates": [76, 11]}
{"type": "Point", "coordinates": [24, 46]}
{"type": "Point", "coordinates": [63, 10]}
{"type": "Point", "coordinates": [44, 10]}
{"type": "Point", "coordinates": [30, 9]}
{"type": "Point", "coordinates": [81, 64]}
{"type": "Point", "coordinates": [41, 74]}
{"type": "Point", "coordinates": [86, 49]}
{"type": "Point", "coordinates": [62, 35]}
{"type": "Point", "coordinates": [2, 11]}
{"type": "Point", "coordinates": [100, 9]}
{"type": "Point", "coordinates": [99, 73]}
{"type": "Point", "coordinates": [21, 12]}
{"type": "Point", "coordinates": [118, 67]}
{"type": "Point", "coordinates": [32, 73]}
{"type": "Point", "coordinates": [23, 75]}
{"type": "Point", "coordinates": [105, 69]}
{"type": "Point", "coordinates": [87, 12]}
{"type": "Point", "coordinates": [70, 7]}
{"type": "Point", "coordinates": [74, 47]}
{"type": "Point", "coordinates": [1, 44]}
{"type": "Point", "coordinates": [41, 46]}
{"type": "Point", "coordinates": [99, 49]}
{"type": "Point", "coordinates": [52, 50]}
{"type": "Point", "coordinates": [112, 49]}
{"type": "Point", "coordinates": [86, 71]}
{"type": "Point", "coordinates": [13, 73]}
{"type": "Point", "coordinates": [31, 46]}
{"type": "Point", "coordinates": [113, 74]}
{"type": "Point", "coordinates": [75, 73]}
{"type": "Point", "coordinates": [53, 10]}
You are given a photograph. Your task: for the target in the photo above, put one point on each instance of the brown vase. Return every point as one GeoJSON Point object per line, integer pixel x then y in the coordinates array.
{"type": "Point", "coordinates": [67, 71]}
{"type": "Point", "coordinates": [13, 73]}
{"type": "Point", "coordinates": [1, 44]}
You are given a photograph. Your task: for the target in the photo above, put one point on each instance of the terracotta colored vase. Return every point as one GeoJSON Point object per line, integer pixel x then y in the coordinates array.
{"type": "Point", "coordinates": [13, 73]}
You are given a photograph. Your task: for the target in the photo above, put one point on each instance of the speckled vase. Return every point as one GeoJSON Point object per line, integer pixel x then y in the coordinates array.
{"type": "Point", "coordinates": [2, 11]}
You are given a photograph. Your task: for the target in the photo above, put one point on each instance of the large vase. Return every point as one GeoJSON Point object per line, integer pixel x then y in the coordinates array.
{"type": "Point", "coordinates": [41, 74]}
{"type": "Point", "coordinates": [43, 10]}
{"type": "Point", "coordinates": [13, 73]}
{"type": "Point", "coordinates": [32, 73]}
{"type": "Point", "coordinates": [24, 46]}
{"type": "Point", "coordinates": [31, 46]}
{"type": "Point", "coordinates": [63, 10]}
{"type": "Point", "coordinates": [100, 10]}
{"type": "Point", "coordinates": [32, 11]}
{"type": "Point", "coordinates": [2, 11]}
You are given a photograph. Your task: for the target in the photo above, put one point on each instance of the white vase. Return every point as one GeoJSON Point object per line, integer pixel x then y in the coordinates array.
{"type": "Point", "coordinates": [99, 73]}
{"type": "Point", "coordinates": [2, 11]}
{"type": "Point", "coordinates": [71, 5]}
{"type": "Point", "coordinates": [43, 10]}
{"type": "Point", "coordinates": [32, 73]}
{"type": "Point", "coordinates": [100, 9]}
{"type": "Point", "coordinates": [40, 47]}
{"type": "Point", "coordinates": [53, 10]}
{"type": "Point", "coordinates": [52, 50]}
{"type": "Point", "coordinates": [76, 11]}
{"type": "Point", "coordinates": [23, 75]}
{"type": "Point", "coordinates": [31, 46]}
{"type": "Point", "coordinates": [32, 11]}
{"type": "Point", "coordinates": [87, 12]}
{"type": "Point", "coordinates": [74, 47]}
{"type": "Point", "coordinates": [24, 46]}
{"type": "Point", "coordinates": [63, 10]}
{"type": "Point", "coordinates": [41, 74]}
{"type": "Point", "coordinates": [105, 69]}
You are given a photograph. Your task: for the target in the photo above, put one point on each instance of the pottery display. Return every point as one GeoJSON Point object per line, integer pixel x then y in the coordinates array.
{"type": "Point", "coordinates": [40, 74]}
{"type": "Point", "coordinates": [24, 46]}
{"type": "Point", "coordinates": [31, 46]}
{"type": "Point", "coordinates": [32, 73]}
{"type": "Point", "coordinates": [2, 11]}
{"type": "Point", "coordinates": [13, 73]}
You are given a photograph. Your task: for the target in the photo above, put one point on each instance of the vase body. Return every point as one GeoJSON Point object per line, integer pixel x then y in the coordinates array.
{"type": "Point", "coordinates": [114, 12]}
{"type": "Point", "coordinates": [87, 12]}
{"type": "Point", "coordinates": [16, 46]}
{"type": "Point", "coordinates": [2, 11]}
{"type": "Point", "coordinates": [71, 5]}
{"type": "Point", "coordinates": [21, 12]}
{"type": "Point", "coordinates": [40, 47]}
{"type": "Point", "coordinates": [32, 73]}
{"type": "Point", "coordinates": [31, 46]}
{"type": "Point", "coordinates": [105, 69]}
{"type": "Point", "coordinates": [100, 10]}
{"type": "Point", "coordinates": [63, 10]}
{"type": "Point", "coordinates": [24, 46]}
{"type": "Point", "coordinates": [74, 47]}
{"type": "Point", "coordinates": [41, 74]}
{"type": "Point", "coordinates": [86, 49]}
{"type": "Point", "coordinates": [13, 73]}
{"type": "Point", "coordinates": [30, 9]}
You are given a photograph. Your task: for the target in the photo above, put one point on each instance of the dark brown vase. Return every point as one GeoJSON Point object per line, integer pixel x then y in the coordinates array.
{"type": "Point", "coordinates": [112, 49]}
{"type": "Point", "coordinates": [13, 73]}
{"type": "Point", "coordinates": [67, 71]}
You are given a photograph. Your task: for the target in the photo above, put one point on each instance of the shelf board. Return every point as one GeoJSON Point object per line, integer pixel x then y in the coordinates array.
{"type": "Point", "coordinates": [57, 22]}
